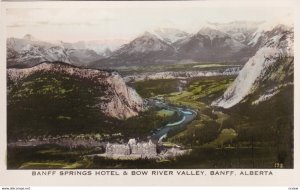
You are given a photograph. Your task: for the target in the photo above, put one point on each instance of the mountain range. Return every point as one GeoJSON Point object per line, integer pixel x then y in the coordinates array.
{"type": "Point", "coordinates": [29, 51]}
{"type": "Point", "coordinates": [212, 43]}
{"type": "Point", "coordinates": [207, 45]}
{"type": "Point", "coordinates": [267, 52]}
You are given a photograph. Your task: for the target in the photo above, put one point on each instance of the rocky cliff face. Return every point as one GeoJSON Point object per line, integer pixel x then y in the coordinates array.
{"type": "Point", "coordinates": [267, 72]}
{"type": "Point", "coordinates": [117, 99]}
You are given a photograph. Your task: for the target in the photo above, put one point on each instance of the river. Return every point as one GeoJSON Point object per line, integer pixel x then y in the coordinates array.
{"type": "Point", "coordinates": [186, 115]}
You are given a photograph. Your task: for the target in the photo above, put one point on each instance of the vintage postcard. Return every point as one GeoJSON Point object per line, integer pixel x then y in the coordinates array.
{"type": "Point", "coordinates": [145, 93]}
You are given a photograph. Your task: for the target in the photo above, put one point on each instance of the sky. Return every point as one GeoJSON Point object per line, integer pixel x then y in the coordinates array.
{"type": "Point", "coordinates": [108, 23]}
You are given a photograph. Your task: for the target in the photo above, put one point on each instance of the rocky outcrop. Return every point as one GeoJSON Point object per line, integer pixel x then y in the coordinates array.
{"type": "Point", "coordinates": [119, 100]}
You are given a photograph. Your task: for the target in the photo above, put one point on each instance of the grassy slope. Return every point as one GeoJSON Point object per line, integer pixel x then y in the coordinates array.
{"type": "Point", "coordinates": [150, 88]}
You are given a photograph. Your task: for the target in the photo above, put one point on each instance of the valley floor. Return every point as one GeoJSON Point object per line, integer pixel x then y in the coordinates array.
{"type": "Point", "coordinates": [217, 138]}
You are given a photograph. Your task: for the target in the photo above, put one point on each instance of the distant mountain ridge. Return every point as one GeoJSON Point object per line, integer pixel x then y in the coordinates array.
{"type": "Point", "coordinates": [29, 51]}
{"type": "Point", "coordinates": [239, 30]}
{"type": "Point", "coordinates": [147, 48]}
{"type": "Point", "coordinates": [165, 45]}
{"type": "Point", "coordinates": [227, 42]}
{"type": "Point", "coordinates": [209, 45]}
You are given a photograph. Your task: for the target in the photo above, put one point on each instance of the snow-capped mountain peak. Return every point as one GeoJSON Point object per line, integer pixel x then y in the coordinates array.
{"type": "Point", "coordinates": [170, 35]}
{"type": "Point", "coordinates": [241, 31]}
{"type": "Point", "coordinates": [211, 32]}
{"type": "Point", "coordinates": [258, 35]}
{"type": "Point", "coordinates": [28, 51]}
{"type": "Point", "coordinates": [147, 42]}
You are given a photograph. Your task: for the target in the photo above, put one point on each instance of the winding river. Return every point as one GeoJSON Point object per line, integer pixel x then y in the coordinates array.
{"type": "Point", "coordinates": [186, 115]}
